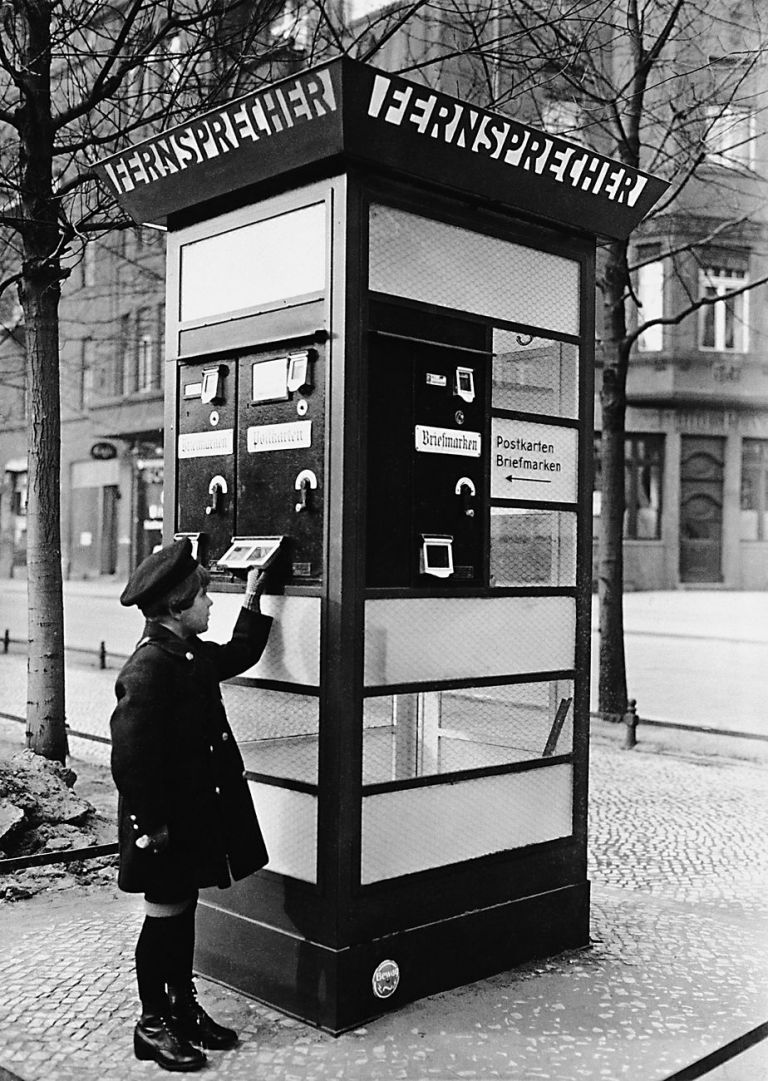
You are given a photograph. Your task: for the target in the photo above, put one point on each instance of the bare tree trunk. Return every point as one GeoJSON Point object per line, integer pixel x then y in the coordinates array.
{"type": "Point", "coordinates": [46, 731]}
{"type": "Point", "coordinates": [612, 680]}
{"type": "Point", "coordinates": [40, 292]}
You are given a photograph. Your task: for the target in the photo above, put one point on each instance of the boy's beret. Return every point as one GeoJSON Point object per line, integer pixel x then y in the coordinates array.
{"type": "Point", "coordinates": [159, 573]}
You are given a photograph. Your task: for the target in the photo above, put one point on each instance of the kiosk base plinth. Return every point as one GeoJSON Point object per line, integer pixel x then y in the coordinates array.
{"type": "Point", "coordinates": [332, 988]}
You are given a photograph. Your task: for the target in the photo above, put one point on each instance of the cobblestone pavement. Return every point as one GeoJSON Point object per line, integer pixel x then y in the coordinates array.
{"type": "Point", "coordinates": [675, 971]}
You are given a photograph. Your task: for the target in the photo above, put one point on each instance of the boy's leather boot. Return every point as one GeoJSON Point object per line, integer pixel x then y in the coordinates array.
{"type": "Point", "coordinates": [158, 1038]}
{"type": "Point", "coordinates": [194, 1023]}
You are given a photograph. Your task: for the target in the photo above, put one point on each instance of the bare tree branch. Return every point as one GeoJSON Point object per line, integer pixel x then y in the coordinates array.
{"type": "Point", "coordinates": [702, 302]}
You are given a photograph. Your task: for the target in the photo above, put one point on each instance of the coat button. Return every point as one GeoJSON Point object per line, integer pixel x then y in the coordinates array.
{"type": "Point", "coordinates": [133, 818]}
{"type": "Point", "coordinates": [245, 774]}
{"type": "Point", "coordinates": [224, 736]}
{"type": "Point", "coordinates": [189, 656]}
{"type": "Point", "coordinates": [135, 826]}
{"type": "Point", "coordinates": [217, 791]}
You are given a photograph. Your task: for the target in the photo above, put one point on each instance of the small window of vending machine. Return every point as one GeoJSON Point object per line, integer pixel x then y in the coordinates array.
{"type": "Point", "coordinates": [379, 351]}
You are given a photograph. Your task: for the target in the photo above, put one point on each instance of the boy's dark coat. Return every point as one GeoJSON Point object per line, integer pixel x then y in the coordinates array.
{"type": "Point", "coordinates": [176, 763]}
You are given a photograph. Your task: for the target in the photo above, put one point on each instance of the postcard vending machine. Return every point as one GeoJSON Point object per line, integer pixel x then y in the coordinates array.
{"type": "Point", "coordinates": [378, 380]}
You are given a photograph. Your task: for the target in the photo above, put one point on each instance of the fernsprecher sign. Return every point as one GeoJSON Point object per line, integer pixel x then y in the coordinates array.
{"type": "Point", "coordinates": [347, 110]}
{"type": "Point", "coordinates": [385, 979]}
{"type": "Point", "coordinates": [225, 131]}
{"type": "Point", "coordinates": [465, 127]}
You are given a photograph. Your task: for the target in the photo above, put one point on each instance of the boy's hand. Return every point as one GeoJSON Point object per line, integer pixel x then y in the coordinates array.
{"type": "Point", "coordinates": [156, 842]}
{"type": "Point", "coordinates": [255, 581]}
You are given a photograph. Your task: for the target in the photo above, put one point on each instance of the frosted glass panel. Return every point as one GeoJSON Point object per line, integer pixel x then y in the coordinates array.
{"type": "Point", "coordinates": [262, 263]}
{"type": "Point", "coordinates": [534, 375]}
{"type": "Point", "coordinates": [418, 828]}
{"type": "Point", "coordinates": [415, 257]}
{"type": "Point", "coordinates": [288, 821]}
{"type": "Point", "coordinates": [423, 639]}
{"type": "Point", "coordinates": [532, 547]}
{"type": "Point", "coordinates": [293, 650]}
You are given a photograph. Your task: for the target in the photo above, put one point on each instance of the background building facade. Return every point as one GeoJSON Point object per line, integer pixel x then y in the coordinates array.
{"type": "Point", "coordinates": [112, 412]}
{"type": "Point", "coordinates": [696, 451]}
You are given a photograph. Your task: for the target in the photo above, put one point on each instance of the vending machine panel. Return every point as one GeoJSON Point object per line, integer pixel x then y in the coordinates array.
{"type": "Point", "coordinates": [280, 450]}
{"type": "Point", "coordinates": [427, 460]}
{"type": "Point", "coordinates": [206, 455]}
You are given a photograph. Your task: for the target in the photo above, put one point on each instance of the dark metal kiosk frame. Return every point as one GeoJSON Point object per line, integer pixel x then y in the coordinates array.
{"type": "Point", "coordinates": [380, 347]}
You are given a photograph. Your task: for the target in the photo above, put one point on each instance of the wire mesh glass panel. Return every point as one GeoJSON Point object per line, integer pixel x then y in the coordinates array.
{"type": "Point", "coordinates": [415, 257]}
{"type": "Point", "coordinates": [534, 375]}
{"type": "Point", "coordinates": [277, 731]}
{"type": "Point", "coordinates": [417, 828]}
{"type": "Point", "coordinates": [532, 547]}
{"type": "Point", "coordinates": [439, 732]}
{"type": "Point", "coordinates": [533, 461]}
{"type": "Point", "coordinates": [424, 639]}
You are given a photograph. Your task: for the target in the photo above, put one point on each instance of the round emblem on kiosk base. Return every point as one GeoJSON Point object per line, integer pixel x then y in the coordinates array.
{"type": "Point", "coordinates": [385, 979]}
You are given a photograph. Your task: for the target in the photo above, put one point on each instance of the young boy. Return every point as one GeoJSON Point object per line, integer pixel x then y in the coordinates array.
{"type": "Point", "coordinates": [185, 815]}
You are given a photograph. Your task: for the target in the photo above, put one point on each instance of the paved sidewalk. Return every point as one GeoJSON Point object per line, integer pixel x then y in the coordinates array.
{"type": "Point", "coordinates": [676, 969]}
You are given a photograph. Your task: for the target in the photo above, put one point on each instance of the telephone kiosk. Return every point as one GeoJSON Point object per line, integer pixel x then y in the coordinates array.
{"type": "Point", "coordinates": [378, 377]}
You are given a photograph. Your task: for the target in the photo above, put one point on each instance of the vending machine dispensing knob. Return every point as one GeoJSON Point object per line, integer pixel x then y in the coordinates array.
{"type": "Point", "coordinates": [217, 489]}
{"type": "Point", "coordinates": [305, 482]}
{"type": "Point", "coordinates": [465, 488]}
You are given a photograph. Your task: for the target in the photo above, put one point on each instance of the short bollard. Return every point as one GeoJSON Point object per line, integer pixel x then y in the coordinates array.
{"type": "Point", "coordinates": [6, 640]}
{"type": "Point", "coordinates": [630, 724]}
{"type": "Point", "coordinates": [102, 655]}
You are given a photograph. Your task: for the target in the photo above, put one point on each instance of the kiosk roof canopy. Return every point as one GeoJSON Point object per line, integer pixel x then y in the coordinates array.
{"type": "Point", "coordinates": [345, 112]}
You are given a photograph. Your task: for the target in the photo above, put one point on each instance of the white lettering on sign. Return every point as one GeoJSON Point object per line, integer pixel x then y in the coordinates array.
{"type": "Point", "coordinates": [206, 444]}
{"type": "Point", "coordinates": [533, 461]}
{"type": "Point", "coordinates": [246, 120]}
{"type": "Point", "coordinates": [261, 437]}
{"type": "Point", "coordinates": [447, 441]}
{"type": "Point", "coordinates": [502, 139]}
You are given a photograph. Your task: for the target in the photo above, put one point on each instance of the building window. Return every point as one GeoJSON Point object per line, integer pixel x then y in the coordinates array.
{"type": "Point", "coordinates": [18, 494]}
{"type": "Point", "coordinates": [146, 362]}
{"type": "Point", "coordinates": [723, 325]}
{"type": "Point", "coordinates": [128, 356]}
{"type": "Point", "coordinates": [650, 296]}
{"type": "Point", "coordinates": [643, 471]}
{"type": "Point", "coordinates": [359, 9]}
{"type": "Point", "coordinates": [291, 28]}
{"type": "Point", "coordinates": [754, 489]}
{"type": "Point", "coordinates": [175, 61]}
{"type": "Point", "coordinates": [89, 263]}
{"type": "Point", "coordinates": [562, 117]}
{"type": "Point", "coordinates": [730, 136]}
{"type": "Point", "coordinates": [643, 478]}
{"type": "Point", "coordinates": [147, 368]}
{"type": "Point", "coordinates": [86, 374]}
